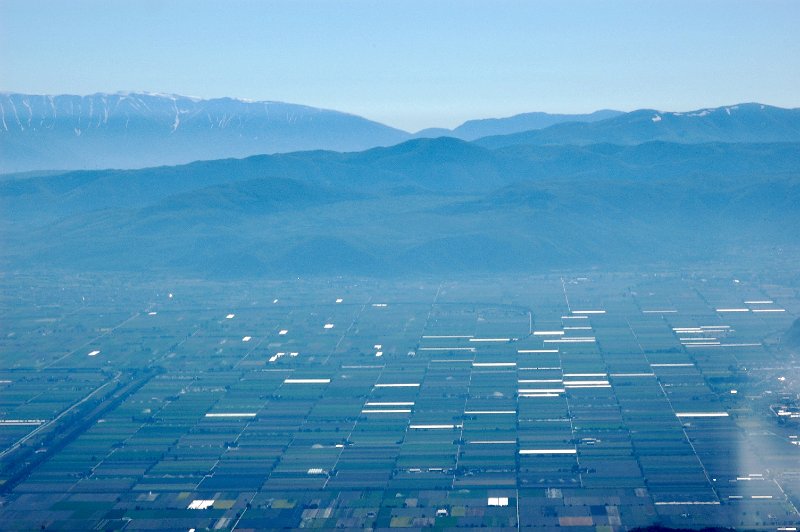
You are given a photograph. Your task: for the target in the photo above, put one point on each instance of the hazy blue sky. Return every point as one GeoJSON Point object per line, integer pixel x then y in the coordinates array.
{"type": "Point", "coordinates": [412, 63]}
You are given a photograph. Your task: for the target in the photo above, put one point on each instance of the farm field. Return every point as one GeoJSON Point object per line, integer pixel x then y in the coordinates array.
{"type": "Point", "coordinates": [585, 401]}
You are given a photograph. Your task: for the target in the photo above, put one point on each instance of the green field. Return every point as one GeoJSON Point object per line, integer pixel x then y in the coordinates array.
{"type": "Point", "coordinates": [583, 401]}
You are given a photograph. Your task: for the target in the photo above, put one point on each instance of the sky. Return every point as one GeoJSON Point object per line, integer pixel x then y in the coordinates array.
{"type": "Point", "coordinates": [412, 63]}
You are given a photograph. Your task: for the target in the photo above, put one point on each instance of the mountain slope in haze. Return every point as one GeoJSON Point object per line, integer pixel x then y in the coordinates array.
{"type": "Point", "coordinates": [136, 130]}
{"type": "Point", "coordinates": [475, 129]}
{"type": "Point", "coordinates": [522, 227]}
{"type": "Point", "coordinates": [424, 206]}
{"type": "Point", "coordinates": [421, 165]}
{"type": "Point", "coordinates": [751, 122]}
{"type": "Point", "coordinates": [420, 168]}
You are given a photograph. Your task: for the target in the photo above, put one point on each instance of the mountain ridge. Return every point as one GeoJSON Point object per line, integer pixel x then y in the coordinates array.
{"type": "Point", "coordinates": [125, 130]}
{"type": "Point", "coordinates": [748, 122]}
{"type": "Point", "coordinates": [442, 166]}
{"type": "Point", "coordinates": [424, 206]}
{"type": "Point", "coordinates": [482, 127]}
{"type": "Point", "coordinates": [135, 130]}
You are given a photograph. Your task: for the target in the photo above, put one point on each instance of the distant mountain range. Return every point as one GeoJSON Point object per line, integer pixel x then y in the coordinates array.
{"type": "Point", "coordinates": [475, 129]}
{"type": "Point", "coordinates": [641, 188]}
{"type": "Point", "coordinates": [138, 130]}
{"type": "Point", "coordinates": [750, 122]}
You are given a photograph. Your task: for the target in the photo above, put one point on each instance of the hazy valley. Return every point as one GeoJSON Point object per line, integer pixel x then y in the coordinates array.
{"type": "Point", "coordinates": [552, 322]}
